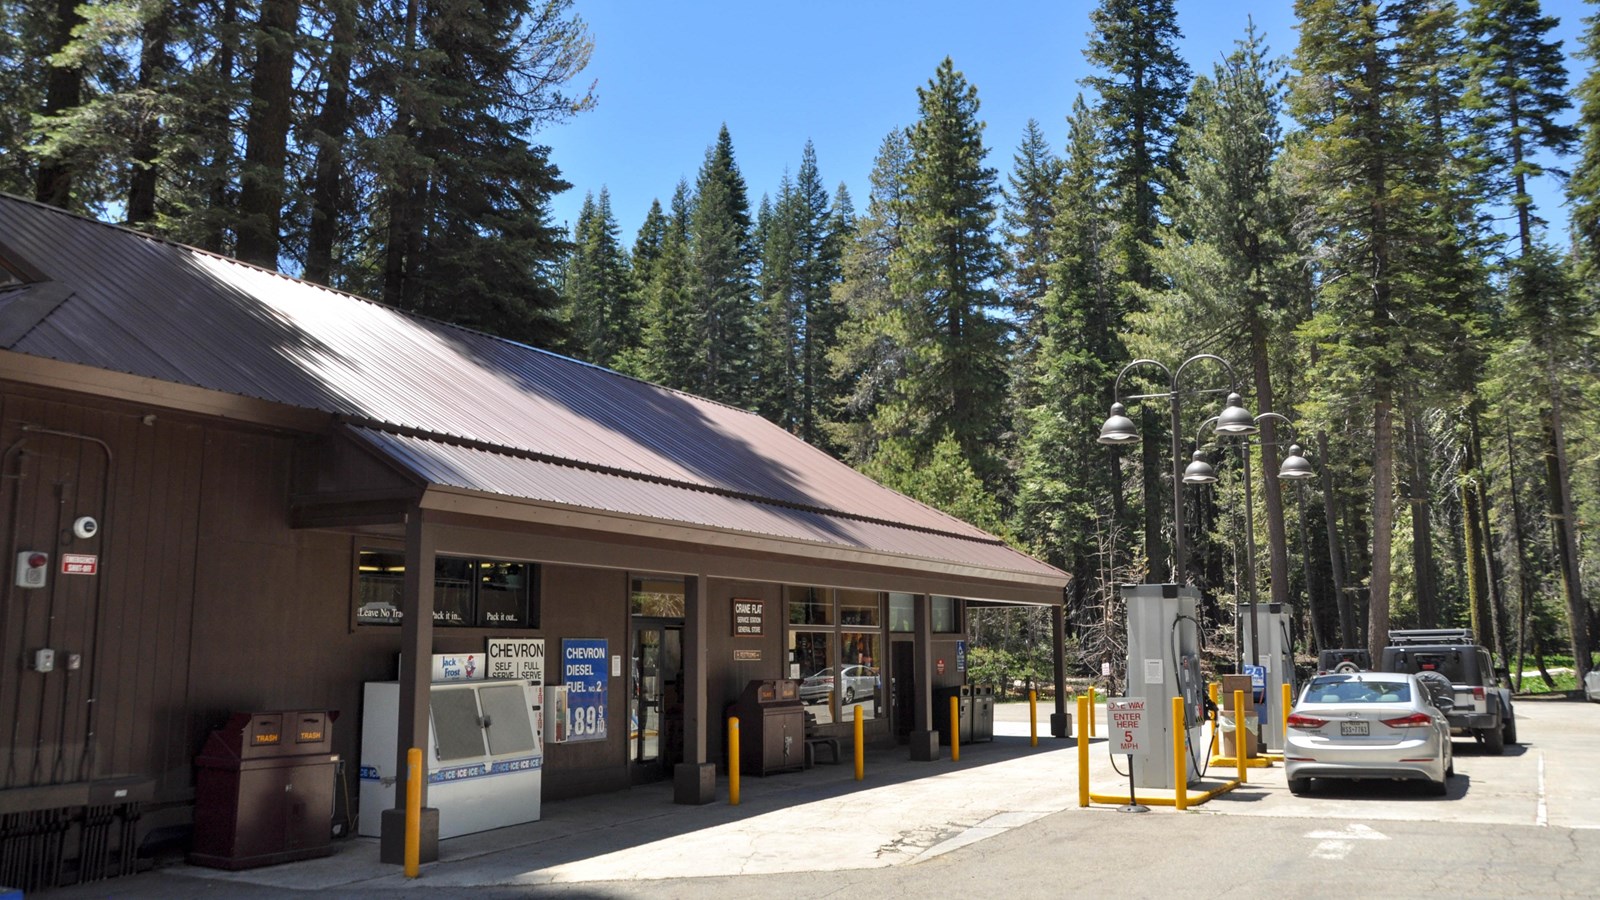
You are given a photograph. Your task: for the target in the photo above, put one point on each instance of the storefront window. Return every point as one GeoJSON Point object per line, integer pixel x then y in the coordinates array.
{"type": "Point", "coordinates": [902, 613]}
{"type": "Point", "coordinates": [466, 592]}
{"type": "Point", "coordinates": [657, 595]}
{"type": "Point", "coordinates": [859, 608]}
{"type": "Point", "coordinates": [810, 605]}
{"type": "Point", "coordinates": [862, 679]}
{"type": "Point", "coordinates": [812, 660]}
{"type": "Point", "coordinates": [944, 615]}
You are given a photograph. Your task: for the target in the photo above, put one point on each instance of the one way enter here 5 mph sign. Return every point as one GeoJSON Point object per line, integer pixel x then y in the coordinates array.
{"type": "Point", "coordinates": [1126, 716]}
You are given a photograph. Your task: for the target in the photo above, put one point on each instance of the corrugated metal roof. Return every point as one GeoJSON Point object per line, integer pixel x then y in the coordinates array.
{"type": "Point", "coordinates": [152, 308]}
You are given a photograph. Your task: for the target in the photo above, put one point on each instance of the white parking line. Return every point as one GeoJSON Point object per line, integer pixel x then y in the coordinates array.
{"type": "Point", "coordinates": [1542, 817]}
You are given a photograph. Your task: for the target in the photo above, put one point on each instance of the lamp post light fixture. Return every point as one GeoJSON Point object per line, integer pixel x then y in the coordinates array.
{"type": "Point", "coordinates": [1295, 467]}
{"type": "Point", "coordinates": [1119, 430]}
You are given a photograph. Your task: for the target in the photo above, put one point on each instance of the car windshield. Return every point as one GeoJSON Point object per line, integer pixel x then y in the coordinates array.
{"type": "Point", "coordinates": [1338, 689]}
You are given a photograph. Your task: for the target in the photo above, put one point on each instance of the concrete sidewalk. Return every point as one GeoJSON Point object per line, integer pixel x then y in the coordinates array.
{"type": "Point", "coordinates": [817, 820]}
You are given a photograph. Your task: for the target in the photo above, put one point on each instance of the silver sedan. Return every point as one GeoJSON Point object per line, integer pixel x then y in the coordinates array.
{"type": "Point", "coordinates": [1379, 725]}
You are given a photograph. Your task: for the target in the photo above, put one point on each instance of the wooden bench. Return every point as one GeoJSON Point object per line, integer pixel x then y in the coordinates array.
{"type": "Point", "coordinates": [814, 741]}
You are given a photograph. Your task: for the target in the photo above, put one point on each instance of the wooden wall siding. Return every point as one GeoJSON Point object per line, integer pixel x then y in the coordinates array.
{"type": "Point", "coordinates": [272, 627]}
{"type": "Point", "coordinates": [139, 598]}
{"type": "Point", "coordinates": [587, 603]}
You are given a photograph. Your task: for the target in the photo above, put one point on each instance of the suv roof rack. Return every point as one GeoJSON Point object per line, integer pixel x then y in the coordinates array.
{"type": "Point", "coordinates": [1420, 636]}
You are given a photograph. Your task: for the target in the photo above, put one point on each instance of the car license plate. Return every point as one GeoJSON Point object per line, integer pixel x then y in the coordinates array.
{"type": "Point", "coordinates": [1355, 728]}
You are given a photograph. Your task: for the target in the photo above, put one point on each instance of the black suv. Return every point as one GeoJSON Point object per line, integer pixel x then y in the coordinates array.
{"type": "Point", "coordinates": [1345, 659]}
{"type": "Point", "coordinates": [1482, 707]}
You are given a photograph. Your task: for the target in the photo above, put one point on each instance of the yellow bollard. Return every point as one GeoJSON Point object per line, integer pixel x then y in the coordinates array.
{"type": "Point", "coordinates": [1285, 714]}
{"type": "Point", "coordinates": [1180, 771]}
{"type": "Point", "coordinates": [955, 729]}
{"type": "Point", "coordinates": [733, 760]}
{"type": "Point", "coordinates": [1033, 718]}
{"type": "Point", "coordinates": [413, 848]}
{"type": "Point", "coordinates": [1091, 710]}
{"type": "Point", "coordinates": [861, 746]}
{"type": "Point", "coordinates": [1241, 736]}
{"type": "Point", "coordinates": [1215, 690]}
{"type": "Point", "coordinates": [1083, 752]}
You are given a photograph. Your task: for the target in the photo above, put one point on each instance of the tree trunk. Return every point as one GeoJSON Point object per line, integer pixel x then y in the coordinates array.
{"type": "Point", "coordinates": [1493, 576]}
{"type": "Point", "coordinates": [1272, 489]}
{"type": "Point", "coordinates": [266, 152]}
{"type": "Point", "coordinates": [333, 127]}
{"type": "Point", "coordinates": [1475, 552]}
{"type": "Point", "coordinates": [219, 133]}
{"type": "Point", "coordinates": [63, 91]}
{"type": "Point", "coordinates": [1382, 524]}
{"type": "Point", "coordinates": [154, 64]}
{"type": "Point", "coordinates": [1563, 519]}
{"type": "Point", "coordinates": [1524, 589]}
{"type": "Point", "coordinates": [1330, 512]}
{"type": "Point", "coordinates": [404, 194]}
{"type": "Point", "coordinates": [1418, 483]}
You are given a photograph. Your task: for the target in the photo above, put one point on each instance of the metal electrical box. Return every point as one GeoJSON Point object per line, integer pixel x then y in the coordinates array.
{"type": "Point", "coordinates": [1164, 662]}
{"type": "Point", "coordinates": [264, 791]}
{"type": "Point", "coordinates": [1276, 656]}
{"type": "Point", "coordinates": [484, 761]}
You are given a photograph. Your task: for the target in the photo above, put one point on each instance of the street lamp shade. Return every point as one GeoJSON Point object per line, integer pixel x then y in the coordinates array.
{"type": "Point", "coordinates": [1119, 429]}
{"type": "Point", "coordinates": [1295, 466]}
{"type": "Point", "coordinates": [1199, 471]}
{"type": "Point", "coordinates": [1235, 420]}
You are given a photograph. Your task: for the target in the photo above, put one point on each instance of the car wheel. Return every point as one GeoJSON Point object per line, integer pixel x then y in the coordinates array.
{"type": "Point", "coordinates": [1450, 771]}
{"type": "Point", "coordinates": [1494, 741]}
{"type": "Point", "coordinates": [1511, 729]}
{"type": "Point", "coordinates": [1438, 788]}
{"type": "Point", "coordinates": [1299, 786]}
{"type": "Point", "coordinates": [849, 696]}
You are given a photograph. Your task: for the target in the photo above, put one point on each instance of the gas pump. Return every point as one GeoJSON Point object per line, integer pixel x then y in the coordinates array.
{"type": "Point", "coordinates": [1164, 662]}
{"type": "Point", "coordinates": [1277, 658]}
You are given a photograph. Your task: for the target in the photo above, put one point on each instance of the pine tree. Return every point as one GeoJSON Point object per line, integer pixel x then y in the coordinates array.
{"type": "Point", "coordinates": [873, 337]}
{"type": "Point", "coordinates": [1583, 189]}
{"type": "Point", "coordinates": [1065, 478]}
{"type": "Point", "coordinates": [464, 210]}
{"type": "Point", "coordinates": [1549, 358]}
{"type": "Point", "coordinates": [597, 290]}
{"type": "Point", "coordinates": [670, 352]}
{"type": "Point", "coordinates": [1028, 216]}
{"type": "Point", "coordinates": [261, 189]}
{"type": "Point", "coordinates": [1134, 42]}
{"type": "Point", "coordinates": [1518, 90]}
{"type": "Point", "coordinates": [954, 380]}
{"type": "Point", "coordinates": [779, 320]}
{"type": "Point", "coordinates": [1230, 254]}
{"type": "Point", "coordinates": [722, 262]}
{"type": "Point", "coordinates": [1369, 180]}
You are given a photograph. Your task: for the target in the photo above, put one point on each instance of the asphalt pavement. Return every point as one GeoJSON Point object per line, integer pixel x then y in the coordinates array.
{"type": "Point", "coordinates": [908, 822]}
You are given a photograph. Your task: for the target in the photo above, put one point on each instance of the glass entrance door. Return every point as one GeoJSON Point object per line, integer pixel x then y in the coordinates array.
{"type": "Point", "coordinates": [655, 729]}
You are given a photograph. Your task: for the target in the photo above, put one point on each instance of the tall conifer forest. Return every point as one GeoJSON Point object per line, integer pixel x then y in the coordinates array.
{"type": "Point", "coordinates": [1348, 226]}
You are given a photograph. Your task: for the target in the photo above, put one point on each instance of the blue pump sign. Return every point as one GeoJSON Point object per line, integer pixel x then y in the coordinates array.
{"type": "Point", "coordinates": [583, 664]}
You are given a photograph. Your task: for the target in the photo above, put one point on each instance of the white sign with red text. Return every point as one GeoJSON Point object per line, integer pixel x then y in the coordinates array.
{"type": "Point", "coordinates": [1126, 717]}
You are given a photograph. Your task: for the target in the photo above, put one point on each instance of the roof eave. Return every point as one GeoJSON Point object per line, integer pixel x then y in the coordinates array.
{"type": "Point", "coordinates": [468, 502]}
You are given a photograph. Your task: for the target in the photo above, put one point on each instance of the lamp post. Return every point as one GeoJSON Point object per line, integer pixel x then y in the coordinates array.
{"type": "Point", "coordinates": [1294, 467]}
{"type": "Point", "coordinates": [1119, 430]}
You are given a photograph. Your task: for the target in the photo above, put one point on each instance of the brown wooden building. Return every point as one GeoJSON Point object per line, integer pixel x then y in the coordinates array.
{"type": "Point", "coordinates": [271, 467]}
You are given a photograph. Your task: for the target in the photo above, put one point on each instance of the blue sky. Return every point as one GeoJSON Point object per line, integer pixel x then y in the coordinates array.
{"type": "Point", "coordinates": [842, 74]}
